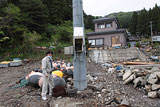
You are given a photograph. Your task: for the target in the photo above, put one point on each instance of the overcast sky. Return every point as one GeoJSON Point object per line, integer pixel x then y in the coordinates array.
{"type": "Point", "coordinates": [105, 7]}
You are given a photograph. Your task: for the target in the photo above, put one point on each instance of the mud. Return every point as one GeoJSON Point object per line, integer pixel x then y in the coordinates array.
{"type": "Point", "coordinates": [105, 90]}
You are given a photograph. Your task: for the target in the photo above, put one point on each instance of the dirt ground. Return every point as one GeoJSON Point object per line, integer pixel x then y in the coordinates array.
{"type": "Point", "coordinates": [109, 91]}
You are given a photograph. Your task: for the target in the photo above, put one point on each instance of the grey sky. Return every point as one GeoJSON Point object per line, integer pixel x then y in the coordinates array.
{"type": "Point", "coordinates": [105, 7]}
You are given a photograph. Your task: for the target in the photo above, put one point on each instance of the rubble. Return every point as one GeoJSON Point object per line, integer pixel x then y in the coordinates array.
{"type": "Point", "coordinates": [127, 74]}
{"type": "Point", "coordinates": [155, 87]}
{"type": "Point", "coordinates": [125, 102]}
{"type": "Point", "coordinates": [147, 79]}
{"type": "Point", "coordinates": [131, 78]}
{"type": "Point", "coordinates": [138, 81]}
{"type": "Point", "coordinates": [154, 69]}
{"type": "Point", "coordinates": [152, 94]}
{"type": "Point", "coordinates": [152, 79]}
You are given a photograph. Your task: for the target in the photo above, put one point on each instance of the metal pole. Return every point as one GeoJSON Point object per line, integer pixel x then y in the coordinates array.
{"type": "Point", "coordinates": [79, 61]}
{"type": "Point", "coordinates": [151, 31]}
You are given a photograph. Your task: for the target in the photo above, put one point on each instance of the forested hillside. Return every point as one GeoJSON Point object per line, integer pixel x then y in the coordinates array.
{"type": "Point", "coordinates": [141, 22]}
{"type": "Point", "coordinates": [138, 22]}
{"type": "Point", "coordinates": [26, 24]}
{"type": "Point", "coordinates": [123, 17]}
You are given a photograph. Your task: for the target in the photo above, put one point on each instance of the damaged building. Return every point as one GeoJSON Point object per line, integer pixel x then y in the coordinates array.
{"type": "Point", "coordinates": [107, 33]}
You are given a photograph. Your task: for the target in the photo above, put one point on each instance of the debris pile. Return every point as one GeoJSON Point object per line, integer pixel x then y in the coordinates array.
{"type": "Point", "coordinates": [144, 78]}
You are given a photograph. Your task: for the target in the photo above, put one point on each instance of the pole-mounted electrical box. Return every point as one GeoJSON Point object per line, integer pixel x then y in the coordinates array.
{"type": "Point", "coordinates": [78, 40]}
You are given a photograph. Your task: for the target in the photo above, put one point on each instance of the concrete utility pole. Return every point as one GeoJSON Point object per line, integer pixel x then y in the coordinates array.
{"type": "Point", "coordinates": [79, 61]}
{"type": "Point", "coordinates": [151, 32]}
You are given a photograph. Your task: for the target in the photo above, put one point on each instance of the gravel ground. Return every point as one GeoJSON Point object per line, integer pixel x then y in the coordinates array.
{"type": "Point", "coordinates": [104, 90]}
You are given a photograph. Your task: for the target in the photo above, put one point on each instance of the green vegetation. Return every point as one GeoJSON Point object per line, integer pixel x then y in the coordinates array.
{"type": "Point", "coordinates": [140, 22]}
{"type": "Point", "coordinates": [28, 24]}
{"type": "Point", "coordinates": [124, 18]}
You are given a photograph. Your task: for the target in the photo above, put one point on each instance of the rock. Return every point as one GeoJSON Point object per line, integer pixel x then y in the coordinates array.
{"type": "Point", "coordinates": [89, 92]}
{"type": "Point", "coordinates": [57, 105]}
{"type": "Point", "coordinates": [132, 68]}
{"type": "Point", "coordinates": [99, 96]}
{"type": "Point", "coordinates": [89, 60]}
{"type": "Point", "coordinates": [94, 87]}
{"type": "Point", "coordinates": [136, 70]}
{"type": "Point", "coordinates": [152, 79]}
{"type": "Point", "coordinates": [139, 74]}
{"type": "Point", "coordinates": [90, 78]}
{"type": "Point", "coordinates": [158, 74]}
{"type": "Point", "coordinates": [145, 79]}
{"type": "Point", "coordinates": [79, 92]}
{"type": "Point", "coordinates": [154, 69]}
{"type": "Point", "coordinates": [158, 93]}
{"type": "Point", "coordinates": [127, 74]}
{"type": "Point", "coordinates": [114, 104]}
{"type": "Point", "coordinates": [132, 77]}
{"type": "Point", "coordinates": [125, 102]}
{"type": "Point", "coordinates": [104, 90]}
{"type": "Point", "coordinates": [119, 75]}
{"type": "Point", "coordinates": [152, 94]}
{"type": "Point", "coordinates": [148, 88]}
{"type": "Point", "coordinates": [137, 81]}
{"type": "Point", "coordinates": [155, 87]}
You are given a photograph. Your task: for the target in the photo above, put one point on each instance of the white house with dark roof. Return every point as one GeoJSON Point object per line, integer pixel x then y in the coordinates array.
{"type": "Point", "coordinates": [107, 33]}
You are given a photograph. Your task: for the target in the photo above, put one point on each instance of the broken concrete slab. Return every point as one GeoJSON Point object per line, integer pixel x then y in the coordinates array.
{"type": "Point", "coordinates": [131, 78]}
{"type": "Point", "coordinates": [158, 74]}
{"type": "Point", "coordinates": [125, 102]}
{"type": "Point", "coordinates": [158, 93]}
{"type": "Point", "coordinates": [137, 81]}
{"type": "Point", "coordinates": [152, 79]}
{"type": "Point", "coordinates": [155, 87]}
{"type": "Point", "coordinates": [152, 94]}
{"type": "Point", "coordinates": [136, 70]}
{"type": "Point", "coordinates": [154, 69]}
{"type": "Point", "coordinates": [127, 74]}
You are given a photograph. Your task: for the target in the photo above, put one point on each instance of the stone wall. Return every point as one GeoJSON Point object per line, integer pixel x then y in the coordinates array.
{"type": "Point", "coordinates": [105, 55]}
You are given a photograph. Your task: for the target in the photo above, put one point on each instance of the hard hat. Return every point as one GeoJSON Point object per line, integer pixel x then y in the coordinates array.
{"type": "Point", "coordinates": [58, 73]}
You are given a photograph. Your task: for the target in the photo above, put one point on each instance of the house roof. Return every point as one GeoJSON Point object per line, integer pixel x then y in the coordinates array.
{"type": "Point", "coordinates": [106, 32]}
{"type": "Point", "coordinates": [106, 19]}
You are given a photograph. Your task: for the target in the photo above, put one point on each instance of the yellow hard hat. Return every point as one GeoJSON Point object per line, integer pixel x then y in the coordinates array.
{"type": "Point", "coordinates": [58, 73]}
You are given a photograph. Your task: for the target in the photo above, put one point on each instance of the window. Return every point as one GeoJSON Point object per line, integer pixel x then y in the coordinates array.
{"type": "Point", "coordinates": [101, 26]}
{"type": "Point", "coordinates": [92, 42]}
{"type": "Point", "coordinates": [99, 41]}
{"type": "Point", "coordinates": [108, 25]}
{"type": "Point", "coordinates": [96, 42]}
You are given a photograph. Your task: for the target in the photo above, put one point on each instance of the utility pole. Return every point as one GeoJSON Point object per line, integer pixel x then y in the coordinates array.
{"type": "Point", "coordinates": [151, 32]}
{"type": "Point", "coordinates": [79, 60]}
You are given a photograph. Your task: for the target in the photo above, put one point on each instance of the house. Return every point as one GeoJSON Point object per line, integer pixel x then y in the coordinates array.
{"type": "Point", "coordinates": [107, 33]}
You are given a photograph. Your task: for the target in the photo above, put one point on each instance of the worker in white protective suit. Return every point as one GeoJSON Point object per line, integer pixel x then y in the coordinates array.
{"type": "Point", "coordinates": [47, 68]}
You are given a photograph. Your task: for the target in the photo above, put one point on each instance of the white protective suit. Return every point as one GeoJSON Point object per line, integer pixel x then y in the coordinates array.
{"type": "Point", "coordinates": [47, 76]}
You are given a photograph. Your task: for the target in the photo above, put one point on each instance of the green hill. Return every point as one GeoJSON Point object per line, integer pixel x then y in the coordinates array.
{"type": "Point", "coordinates": [123, 17]}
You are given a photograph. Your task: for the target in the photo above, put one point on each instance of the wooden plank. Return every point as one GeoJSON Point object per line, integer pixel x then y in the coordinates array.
{"type": "Point", "coordinates": [138, 63]}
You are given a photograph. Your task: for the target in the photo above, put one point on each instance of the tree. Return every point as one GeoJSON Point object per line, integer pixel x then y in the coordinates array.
{"type": "Point", "coordinates": [10, 26]}
{"type": "Point", "coordinates": [134, 22]}
{"type": "Point", "coordinates": [88, 21]}
{"type": "Point", "coordinates": [154, 16]}
{"type": "Point", "coordinates": [158, 25]}
{"type": "Point", "coordinates": [143, 22]}
{"type": "Point", "coordinates": [34, 14]}
{"type": "Point", "coordinates": [59, 11]}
